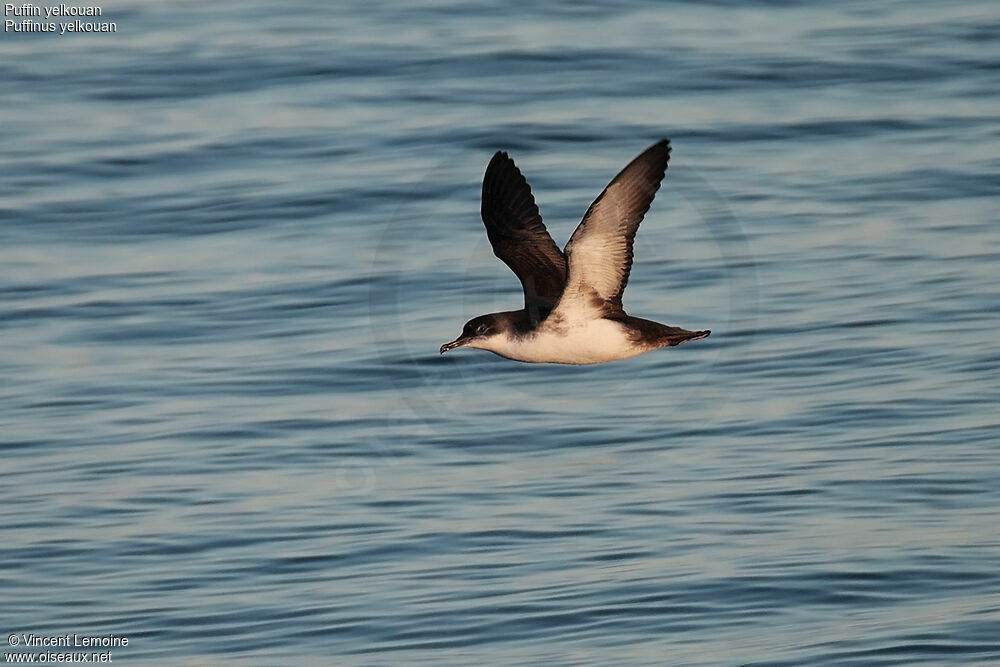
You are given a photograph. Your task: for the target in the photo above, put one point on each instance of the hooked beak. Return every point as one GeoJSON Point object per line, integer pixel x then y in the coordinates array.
{"type": "Point", "coordinates": [459, 342]}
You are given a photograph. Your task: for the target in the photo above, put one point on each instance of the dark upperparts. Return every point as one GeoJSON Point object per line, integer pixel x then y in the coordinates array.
{"type": "Point", "coordinates": [518, 236]}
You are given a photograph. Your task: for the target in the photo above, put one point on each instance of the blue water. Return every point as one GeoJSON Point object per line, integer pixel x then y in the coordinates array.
{"type": "Point", "coordinates": [233, 236]}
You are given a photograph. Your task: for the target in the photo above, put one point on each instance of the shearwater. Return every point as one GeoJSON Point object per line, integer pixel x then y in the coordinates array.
{"type": "Point", "coordinates": [573, 310]}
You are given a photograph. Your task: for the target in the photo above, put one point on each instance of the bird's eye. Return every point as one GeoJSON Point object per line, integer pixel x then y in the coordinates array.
{"type": "Point", "coordinates": [482, 329]}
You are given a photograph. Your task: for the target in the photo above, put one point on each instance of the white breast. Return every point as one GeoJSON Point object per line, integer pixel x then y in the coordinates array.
{"type": "Point", "coordinates": [591, 341]}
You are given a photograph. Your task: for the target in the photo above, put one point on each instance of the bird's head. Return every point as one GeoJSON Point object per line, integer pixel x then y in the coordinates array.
{"type": "Point", "coordinates": [482, 332]}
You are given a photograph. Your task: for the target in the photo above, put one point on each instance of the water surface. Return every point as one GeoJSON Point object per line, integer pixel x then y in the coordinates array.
{"type": "Point", "coordinates": [233, 236]}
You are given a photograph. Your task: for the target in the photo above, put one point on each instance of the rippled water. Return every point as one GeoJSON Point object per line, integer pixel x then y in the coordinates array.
{"type": "Point", "coordinates": [233, 236]}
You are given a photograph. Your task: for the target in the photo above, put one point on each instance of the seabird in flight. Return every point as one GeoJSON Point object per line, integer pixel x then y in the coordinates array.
{"type": "Point", "coordinates": [573, 299]}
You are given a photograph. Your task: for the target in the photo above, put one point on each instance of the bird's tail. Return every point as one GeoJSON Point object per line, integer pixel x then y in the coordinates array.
{"type": "Point", "coordinates": [676, 335]}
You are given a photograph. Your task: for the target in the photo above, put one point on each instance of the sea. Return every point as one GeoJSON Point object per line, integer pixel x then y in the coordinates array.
{"type": "Point", "coordinates": [233, 236]}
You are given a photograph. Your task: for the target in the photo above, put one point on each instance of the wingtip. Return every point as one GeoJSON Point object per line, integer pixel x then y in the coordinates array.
{"type": "Point", "coordinates": [662, 144]}
{"type": "Point", "coordinates": [501, 162]}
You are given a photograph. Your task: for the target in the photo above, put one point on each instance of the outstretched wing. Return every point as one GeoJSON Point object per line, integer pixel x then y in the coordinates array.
{"type": "Point", "coordinates": [519, 238]}
{"type": "Point", "coordinates": [600, 251]}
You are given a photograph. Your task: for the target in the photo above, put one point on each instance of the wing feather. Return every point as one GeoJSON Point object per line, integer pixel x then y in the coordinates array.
{"type": "Point", "coordinates": [599, 253]}
{"type": "Point", "coordinates": [518, 236]}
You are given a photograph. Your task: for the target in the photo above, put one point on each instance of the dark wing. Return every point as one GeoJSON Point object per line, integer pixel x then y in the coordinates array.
{"type": "Point", "coordinates": [519, 238]}
{"type": "Point", "coordinates": [600, 250]}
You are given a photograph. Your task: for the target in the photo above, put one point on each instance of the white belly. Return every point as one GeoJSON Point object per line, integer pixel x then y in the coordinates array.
{"type": "Point", "coordinates": [590, 342]}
